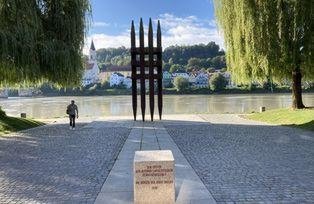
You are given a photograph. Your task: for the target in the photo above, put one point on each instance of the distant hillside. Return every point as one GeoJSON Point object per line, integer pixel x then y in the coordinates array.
{"type": "Point", "coordinates": [200, 56]}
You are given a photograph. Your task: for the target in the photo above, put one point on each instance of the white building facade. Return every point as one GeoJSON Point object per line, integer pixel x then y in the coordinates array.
{"type": "Point", "coordinates": [116, 79]}
{"type": "Point", "coordinates": [181, 74]}
{"type": "Point", "coordinates": [201, 80]}
{"type": "Point", "coordinates": [127, 82]}
{"type": "Point", "coordinates": [4, 93]}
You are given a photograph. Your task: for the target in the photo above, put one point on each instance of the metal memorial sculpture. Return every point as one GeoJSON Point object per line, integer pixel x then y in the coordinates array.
{"type": "Point", "coordinates": [146, 64]}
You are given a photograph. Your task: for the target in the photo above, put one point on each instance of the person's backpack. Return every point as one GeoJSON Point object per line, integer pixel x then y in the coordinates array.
{"type": "Point", "coordinates": [68, 111]}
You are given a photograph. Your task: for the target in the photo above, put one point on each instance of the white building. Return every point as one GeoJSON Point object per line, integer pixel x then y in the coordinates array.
{"type": "Point", "coordinates": [28, 92]}
{"type": "Point", "coordinates": [91, 73]}
{"type": "Point", "coordinates": [4, 93]}
{"type": "Point", "coordinates": [181, 74]}
{"type": "Point", "coordinates": [192, 78]}
{"type": "Point", "coordinates": [127, 82]}
{"type": "Point", "coordinates": [116, 79]}
{"type": "Point", "coordinates": [201, 80]}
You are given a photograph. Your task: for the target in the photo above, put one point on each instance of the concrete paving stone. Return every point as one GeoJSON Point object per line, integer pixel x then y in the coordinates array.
{"type": "Point", "coordinates": [187, 182]}
{"type": "Point", "coordinates": [230, 158]}
{"type": "Point", "coordinates": [52, 164]}
{"type": "Point", "coordinates": [246, 161]}
{"type": "Point", "coordinates": [115, 198]}
{"type": "Point", "coordinates": [118, 185]}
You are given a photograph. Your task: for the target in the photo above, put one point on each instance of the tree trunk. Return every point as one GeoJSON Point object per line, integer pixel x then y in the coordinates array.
{"type": "Point", "coordinates": [297, 102]}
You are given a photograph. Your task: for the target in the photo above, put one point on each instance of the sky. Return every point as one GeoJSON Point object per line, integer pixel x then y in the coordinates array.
{"type": "Point", "coordinates": [183, 22]}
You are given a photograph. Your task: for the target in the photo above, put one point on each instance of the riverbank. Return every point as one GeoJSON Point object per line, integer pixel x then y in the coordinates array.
{"type": "Point", "coordinates": [13, 124]}
{"type": "Point", "coordinates": [170, 91]}
{"type": "Point", "coordinates": [120, 91]}
{"type": "Point", "coordinates": [303, 119]}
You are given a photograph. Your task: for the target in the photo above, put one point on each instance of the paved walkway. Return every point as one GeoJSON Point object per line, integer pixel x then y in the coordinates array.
{"type": "Point", "coordinates": [118, 188]}
{"type": "Point", "coordinates": [219, 158]}
{"type": "Point", "coordinates": [242, 161]}
{"type": "Point", "coordinates": [53, 164]}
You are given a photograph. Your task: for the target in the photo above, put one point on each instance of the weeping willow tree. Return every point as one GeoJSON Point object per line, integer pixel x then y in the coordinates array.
{"type": "Point", "coordinates": [42, 40]}
{"type": "Point", "coordinates": [269, 39]}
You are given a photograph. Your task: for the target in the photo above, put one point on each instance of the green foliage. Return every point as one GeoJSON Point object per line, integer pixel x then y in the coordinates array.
{"type": "Point", "coordinates": [207, 55]}
{"type": "Point", "coordinates": [288, 117]}
{"type": "Point", "coordinates": [181, 54]}
{"type": "Point", "coordinates": [98, 89]}
{"type": "Point", "coordinates": [114, 56]}
{"type": "Point", "coordinates": [267, 39]}
{"type": "Point", "coordinates": [121, 60]}
{"type": "Point", "coordinates": [218, 82]}
{"type": "Point", "coordinates": [223, 70]}
{"type": "Point", "coordinates": [105, 85]}
{"type": "Point", "coordinates": [2, 113]}
{"type": "Point", "coordinates": [176, 67]}
{"type": "Point", "coordinates": [218, 62]}
{"type": "Point", "coordinates": [181, 84]}
{"type": "Point", "coordinates": [11, 124]}
{"type": "Point", "coordinates": [197, 64]}
{"type": "Point", "coordinates": [167, 83]}
{"type": "Point", "coordinates": [166, 67]}
{"type": "Point", "coordinates": [194, 62]}
{"type": "Point", "coordinates": [120, 86]}
{"type": "Point", "coordinates": [210, 70]}
{"type": "Point", "coordinates": [42, 40]}
{"type": "Point", "coordinates": [268, 85]}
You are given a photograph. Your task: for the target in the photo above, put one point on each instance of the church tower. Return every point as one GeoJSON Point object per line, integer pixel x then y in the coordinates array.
{"type": "Point", "coordinates": [91, 73]}
{"type": "Point", "coordinates": [92, 52]}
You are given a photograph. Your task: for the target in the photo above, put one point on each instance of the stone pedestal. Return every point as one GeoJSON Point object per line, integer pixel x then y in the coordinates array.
{"type": "Point", "coordinates": [262, 109]}
{"type": "Point", "coordinates": [154, 177]}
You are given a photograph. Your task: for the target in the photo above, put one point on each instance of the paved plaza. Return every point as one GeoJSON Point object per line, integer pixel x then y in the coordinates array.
{"type": "Point", "coordinates": [118, 188]}
{"type": "Point", "coordinates": [241, 161]}
{"type": "Point", "coordinates": [219, 159]}
{"type": "Point", "coordinates": [53, 164]}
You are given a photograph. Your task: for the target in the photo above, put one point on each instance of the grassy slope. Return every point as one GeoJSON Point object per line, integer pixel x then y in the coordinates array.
{"type": "Point", "coordinates": [296, 118]}
{"type": "Point", "coordinates": [12, 124]}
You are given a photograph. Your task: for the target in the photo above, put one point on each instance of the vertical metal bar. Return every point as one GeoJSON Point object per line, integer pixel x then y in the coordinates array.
{"type": "Point", "coordinates": [133, 64]}
{"type": "Point", "coordinates": [142, 66]}
{"type": "Point", "coordinates": [159, 70]}
{"type": "Point", "coordinates": [151, 68]}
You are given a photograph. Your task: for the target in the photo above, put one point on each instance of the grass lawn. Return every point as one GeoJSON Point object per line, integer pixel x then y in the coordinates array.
{"type": "Point", "coordinates": [295, 118]}
{"type": "Point", "coordinates": [12, 124]}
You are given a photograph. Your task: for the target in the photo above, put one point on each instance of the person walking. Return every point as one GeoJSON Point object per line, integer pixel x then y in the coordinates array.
{"type": "Point", "coordinates": [72, 111]}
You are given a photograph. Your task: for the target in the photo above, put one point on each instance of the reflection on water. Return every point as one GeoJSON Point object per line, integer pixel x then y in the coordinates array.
{"type": "Point", "coordinates": [98, 106]}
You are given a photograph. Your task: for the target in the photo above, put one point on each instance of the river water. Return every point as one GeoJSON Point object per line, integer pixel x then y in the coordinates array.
{"type": "Point", "coordinates": [97, 106]}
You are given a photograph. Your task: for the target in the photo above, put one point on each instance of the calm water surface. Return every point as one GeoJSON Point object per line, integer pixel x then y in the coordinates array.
{"type": "Point", "coordinates": [97, 106]}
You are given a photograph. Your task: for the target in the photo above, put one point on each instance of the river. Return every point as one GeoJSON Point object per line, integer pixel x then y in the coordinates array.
{"type": "Point", "coordinates": [97, 106]}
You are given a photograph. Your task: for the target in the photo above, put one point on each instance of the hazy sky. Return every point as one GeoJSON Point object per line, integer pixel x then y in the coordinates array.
{"type": "Point", "coordinates": [183, 22]}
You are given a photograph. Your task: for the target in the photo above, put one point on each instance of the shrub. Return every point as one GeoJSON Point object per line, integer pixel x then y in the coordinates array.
{"type": "Point", "coordinates": [181, 84]}
{"type": "Point", "coordinates": [167, 83]}
{"type": "Point", "coordinates": [176, 67]}
{"type": "Point", "coordinates": [93, 87]}
{"type": "Point", "coordinates": [120, 86]}
{"type": "Point", "coordinates": [218, 82]}
{"type": "Point", "coordinates": [105, 84]}
{"type": "Point", "coordinates": [267, 85]}
{"type": "Point", "coordinates": [2, 113]}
